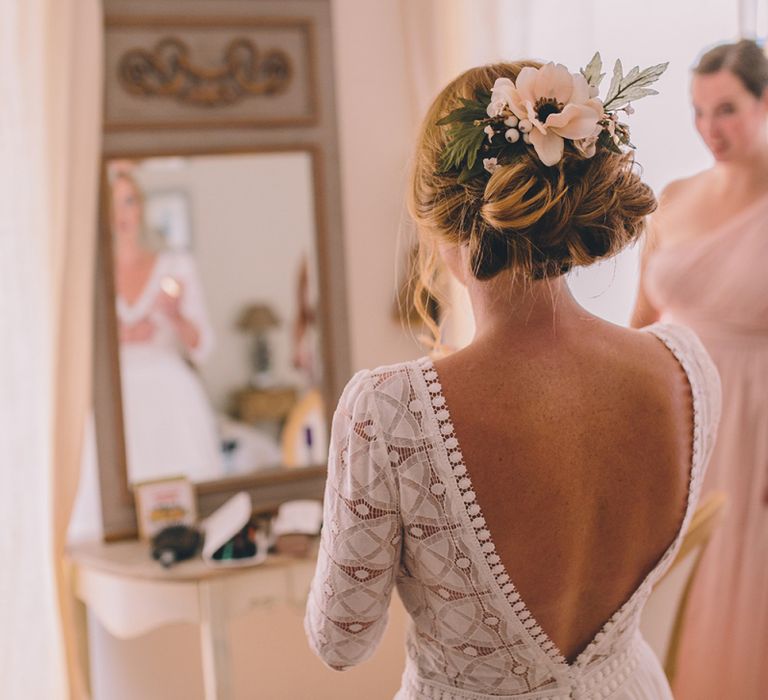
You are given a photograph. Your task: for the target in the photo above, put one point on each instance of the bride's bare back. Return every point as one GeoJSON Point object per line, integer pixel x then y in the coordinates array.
{"type": "Point", "coordinates": [579, 448]}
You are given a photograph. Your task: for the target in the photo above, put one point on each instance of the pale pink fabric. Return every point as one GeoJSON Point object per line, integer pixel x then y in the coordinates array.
{"type": "Point", "coordinates": [718, 285]}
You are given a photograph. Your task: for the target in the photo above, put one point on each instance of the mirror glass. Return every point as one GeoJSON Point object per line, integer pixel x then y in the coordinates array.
{"type": "Point", "coordinates": [216, 296]}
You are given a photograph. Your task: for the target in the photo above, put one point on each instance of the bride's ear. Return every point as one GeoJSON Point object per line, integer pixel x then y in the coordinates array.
{"type": "Point", "coordinates": [456, 259]}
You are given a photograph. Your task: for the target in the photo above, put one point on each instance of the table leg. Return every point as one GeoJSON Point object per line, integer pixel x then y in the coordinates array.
{"type": "Point", "coordinates": [214, 642]}
{"type": "Point", "coordinates": [83, 650]}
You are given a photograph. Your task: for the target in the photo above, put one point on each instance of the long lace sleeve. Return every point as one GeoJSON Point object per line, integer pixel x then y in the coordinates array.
{"type": "Point", "coordinates": [361, 538]}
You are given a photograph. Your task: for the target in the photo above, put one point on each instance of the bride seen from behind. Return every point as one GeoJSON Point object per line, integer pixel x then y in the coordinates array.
{"type": "Point", "coordinates": [524, 493]}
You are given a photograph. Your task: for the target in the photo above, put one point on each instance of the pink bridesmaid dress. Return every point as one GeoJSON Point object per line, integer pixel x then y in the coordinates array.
{"type": "Point", "coordinates": [717, 284]}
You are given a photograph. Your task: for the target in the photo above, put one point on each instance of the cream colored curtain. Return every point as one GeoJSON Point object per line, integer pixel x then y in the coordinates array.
{"type": "Point", "coordinates": [50, 79]}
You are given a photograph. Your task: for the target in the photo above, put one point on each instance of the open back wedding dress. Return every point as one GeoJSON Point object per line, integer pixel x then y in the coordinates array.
{"type": "Point", "coordinates": [400, 511]}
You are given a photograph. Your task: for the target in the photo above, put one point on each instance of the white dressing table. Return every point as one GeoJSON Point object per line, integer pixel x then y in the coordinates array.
{"type": "Point", "coordinates": [130, 595]}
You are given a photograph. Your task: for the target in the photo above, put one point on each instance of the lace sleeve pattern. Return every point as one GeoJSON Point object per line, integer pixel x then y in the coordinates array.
{"type": "Point", "coordinates": [361, 538]}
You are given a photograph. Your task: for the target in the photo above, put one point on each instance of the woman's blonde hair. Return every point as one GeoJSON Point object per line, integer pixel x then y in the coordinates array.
{"type": "Point", "coordinates": [537, 221]}
{"type": "Point", "coordinates": [148, 239]}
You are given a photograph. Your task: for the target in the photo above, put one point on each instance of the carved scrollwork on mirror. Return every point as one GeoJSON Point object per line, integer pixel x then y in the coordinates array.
{"type": "Point", "coordinates": [221, 337]}
{"type": "Point", "coordinates": [168, 70]}
{"type": "Point", "coordinates": [221, 71]}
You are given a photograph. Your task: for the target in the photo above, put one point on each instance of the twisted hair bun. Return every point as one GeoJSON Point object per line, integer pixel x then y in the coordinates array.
{"type": "Point", "coordinates": [537, 220]}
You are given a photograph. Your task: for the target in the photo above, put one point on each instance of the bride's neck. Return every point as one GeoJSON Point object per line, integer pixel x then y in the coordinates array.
{"type": "Point", "coordinates": [505, 307]}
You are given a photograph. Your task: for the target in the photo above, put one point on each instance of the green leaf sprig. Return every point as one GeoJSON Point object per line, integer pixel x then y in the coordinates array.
{"type": "Point", "coordinates": [469, 143]}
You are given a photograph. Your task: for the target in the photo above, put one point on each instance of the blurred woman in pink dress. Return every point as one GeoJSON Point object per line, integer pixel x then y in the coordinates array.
{"type": "Point", "coordinates": [705, 266]}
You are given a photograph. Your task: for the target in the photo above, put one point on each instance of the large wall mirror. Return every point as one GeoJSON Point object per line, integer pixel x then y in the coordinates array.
{"type": "Point", "coordinates": [220, 327]}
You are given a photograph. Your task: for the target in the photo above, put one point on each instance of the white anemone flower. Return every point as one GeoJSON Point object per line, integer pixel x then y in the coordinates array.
{"type": "Point", "coordinates": [557, 103]}
{"type": "Point", "coordinates": [501, 94]}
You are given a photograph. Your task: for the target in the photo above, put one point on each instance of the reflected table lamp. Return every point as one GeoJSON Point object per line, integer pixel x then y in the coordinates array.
{"type": "Point", "coordinates": [259, 319]}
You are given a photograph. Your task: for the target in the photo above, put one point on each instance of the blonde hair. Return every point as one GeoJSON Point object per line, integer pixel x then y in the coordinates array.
{"type": "Point", "coordinates": [537, 221]}
{"type": "Point", "coordinates": [147, 238]}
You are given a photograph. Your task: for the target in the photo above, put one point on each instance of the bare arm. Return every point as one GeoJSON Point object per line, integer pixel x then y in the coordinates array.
{"type": "Point", "coordinates": [645, 313]}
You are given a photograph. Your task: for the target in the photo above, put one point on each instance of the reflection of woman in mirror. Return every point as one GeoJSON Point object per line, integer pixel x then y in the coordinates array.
{"type": "Point", "coordinates": [703, 266]}
{"type": "Point", "coordinates": [164, 328]}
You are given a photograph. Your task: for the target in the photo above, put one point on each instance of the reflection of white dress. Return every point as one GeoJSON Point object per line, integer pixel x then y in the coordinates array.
{"type": "Point", "coordinates": [170, 428]}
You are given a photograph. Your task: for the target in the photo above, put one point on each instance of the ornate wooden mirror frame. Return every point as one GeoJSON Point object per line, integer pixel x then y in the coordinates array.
{"type": "Point", "coordinates": [208, 77]}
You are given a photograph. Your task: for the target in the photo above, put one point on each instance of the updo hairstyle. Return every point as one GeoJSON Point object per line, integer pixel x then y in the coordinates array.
{"type": "Point", "coordinates": [537, 221]}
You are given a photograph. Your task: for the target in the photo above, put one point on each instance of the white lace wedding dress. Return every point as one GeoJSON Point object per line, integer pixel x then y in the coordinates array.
{"type": "Point", "coordinates": [400, 510]}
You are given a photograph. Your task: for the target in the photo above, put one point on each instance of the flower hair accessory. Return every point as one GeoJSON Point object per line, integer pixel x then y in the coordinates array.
{"type": "Point", "coordinates": [542, 109]}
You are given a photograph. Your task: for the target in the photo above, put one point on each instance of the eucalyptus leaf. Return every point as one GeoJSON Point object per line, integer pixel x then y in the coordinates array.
{"type": "Point", "coordinates": [592, 71]}
{"type": "Point", "coordinates": [613, 90]}
{"type": "Point", "coordinates": [633, 86]}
